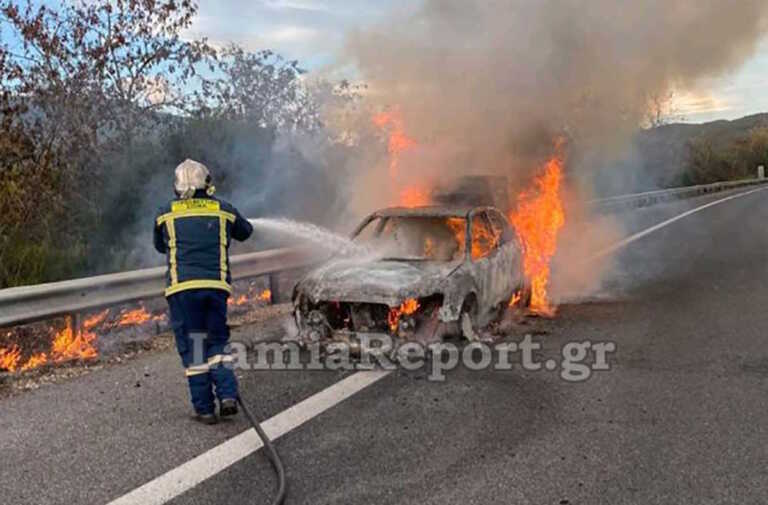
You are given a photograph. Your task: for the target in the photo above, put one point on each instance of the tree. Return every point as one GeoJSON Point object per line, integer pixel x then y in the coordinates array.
{"type": "Point", "coordinates": [260, 88]}
{"type": "Point", "coordinates": [758, 147]}
{"type": "Point", "coordinates": [79, 85]}
{"type": "Point", "coordinates": [99, 70]}
{"type": "Point", "coordinates": [100, 97]}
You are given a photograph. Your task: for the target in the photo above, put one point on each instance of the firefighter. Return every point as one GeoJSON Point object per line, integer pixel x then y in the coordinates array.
{"type": "Point", "coordinates": [194, 232]}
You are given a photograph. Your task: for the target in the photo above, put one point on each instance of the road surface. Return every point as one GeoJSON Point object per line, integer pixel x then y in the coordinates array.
{"type": "Point", "coordinates": [680, 418]}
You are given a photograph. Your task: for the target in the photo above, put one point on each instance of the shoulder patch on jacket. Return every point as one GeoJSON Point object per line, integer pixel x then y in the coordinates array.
{"type": "Point", "coordinates": [194, 204]}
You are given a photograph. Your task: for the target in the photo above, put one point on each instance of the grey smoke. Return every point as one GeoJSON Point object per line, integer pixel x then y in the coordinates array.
{"type": "Point", "coordinates": [486, 84]}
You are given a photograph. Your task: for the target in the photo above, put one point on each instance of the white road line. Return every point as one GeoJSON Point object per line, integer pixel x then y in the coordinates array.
{"type": "Point", "coordinates": [193, 472]}
{"type": "Point", "coordinates": [637, 236]}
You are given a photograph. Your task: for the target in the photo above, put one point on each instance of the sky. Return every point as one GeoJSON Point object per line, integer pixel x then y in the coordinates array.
{"type": "Point", "coordinates": [312, 31]}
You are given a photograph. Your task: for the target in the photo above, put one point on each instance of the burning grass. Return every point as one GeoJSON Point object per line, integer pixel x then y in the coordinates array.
{"type": "Point", "coordinates": [34, 346]}
{"type": "Point", "coordinates": [72, 342]}
{"type": "Point", "coordinates": [251, 297]}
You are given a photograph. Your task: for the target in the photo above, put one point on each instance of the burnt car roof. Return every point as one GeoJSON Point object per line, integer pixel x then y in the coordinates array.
{"type": "Point", "coordinates": [426, 211]}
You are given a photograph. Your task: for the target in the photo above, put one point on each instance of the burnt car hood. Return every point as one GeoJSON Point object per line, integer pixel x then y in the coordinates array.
{"type": "Point", "coordinates": [383, 281]}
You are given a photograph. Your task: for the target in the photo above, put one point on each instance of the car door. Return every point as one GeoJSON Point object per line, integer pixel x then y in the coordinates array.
{"type": "Point", "coordinates": [492, 261]}
{"type": "Point", "coordinates": [511, 250]}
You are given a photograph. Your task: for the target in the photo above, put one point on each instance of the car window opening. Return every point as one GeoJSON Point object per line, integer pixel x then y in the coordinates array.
{"type": "Point", "coordinates": [417, 238]}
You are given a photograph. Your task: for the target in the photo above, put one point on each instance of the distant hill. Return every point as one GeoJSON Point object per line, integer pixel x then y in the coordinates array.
{"type": "Point", "coordinates": [684, 154]}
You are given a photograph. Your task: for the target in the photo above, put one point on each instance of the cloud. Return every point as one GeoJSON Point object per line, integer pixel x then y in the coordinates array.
{"type": "Point", "coordinates": [304, 5]}
{"type": "Point", "coordinates": [699, 102]}
{"type": "Point", "coordinates": [311, 31]}
{"type": "Point", "coordinates": [291, 34]}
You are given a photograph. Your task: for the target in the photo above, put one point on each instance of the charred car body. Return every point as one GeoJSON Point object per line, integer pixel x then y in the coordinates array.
{"type": "Point", "coordinates": [427, 272]}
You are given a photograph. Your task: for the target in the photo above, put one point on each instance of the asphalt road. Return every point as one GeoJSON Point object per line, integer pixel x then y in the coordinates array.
{"type": "Point", "coordinates": [680, 417]}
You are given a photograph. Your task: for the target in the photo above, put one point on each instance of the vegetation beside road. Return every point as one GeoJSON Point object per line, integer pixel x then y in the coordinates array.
{"type": "Point", "coordinates": [101, 99]}
{"type": "Point", "coordinates": [688, 154]}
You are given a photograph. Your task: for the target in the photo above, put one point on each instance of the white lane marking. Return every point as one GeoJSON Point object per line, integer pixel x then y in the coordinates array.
{"type": "Point", "coordinates": [193, 472]}
{"type": "Point", "coordinates": [637, 236]}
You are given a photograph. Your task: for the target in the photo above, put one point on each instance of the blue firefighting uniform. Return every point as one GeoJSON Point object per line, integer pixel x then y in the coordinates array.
{"type": "Point", "coordinates": [195, 235]}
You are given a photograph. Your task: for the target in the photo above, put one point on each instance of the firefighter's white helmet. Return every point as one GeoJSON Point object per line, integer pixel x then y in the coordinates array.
{"type": "Point", "coordinates": [191, 176]}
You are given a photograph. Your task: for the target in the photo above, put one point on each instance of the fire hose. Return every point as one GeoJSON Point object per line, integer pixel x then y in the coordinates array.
{"type": "Point", "coordinates": [272, 453]}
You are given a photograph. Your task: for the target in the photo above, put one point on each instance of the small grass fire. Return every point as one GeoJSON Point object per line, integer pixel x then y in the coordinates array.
{"type": "Point", "coordinates": [71, 340]}
{"type": "Point", "coordinates": [264, 296]}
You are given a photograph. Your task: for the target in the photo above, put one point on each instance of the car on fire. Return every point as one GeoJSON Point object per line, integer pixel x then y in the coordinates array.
{"type": "Point", "coordinates": [427, 272]}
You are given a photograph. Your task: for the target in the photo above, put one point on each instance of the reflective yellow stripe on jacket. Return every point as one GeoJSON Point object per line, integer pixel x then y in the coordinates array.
{"type": "Point", "coordinates": [196, 207]}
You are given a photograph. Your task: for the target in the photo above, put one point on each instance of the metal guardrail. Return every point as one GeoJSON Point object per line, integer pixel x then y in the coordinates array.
{"type": "Point", "coordinates": [664, 195]}
{"type": "Point", "coordinates": [26, 304]}
{"type": "Point", "coordinates": [43, 301]}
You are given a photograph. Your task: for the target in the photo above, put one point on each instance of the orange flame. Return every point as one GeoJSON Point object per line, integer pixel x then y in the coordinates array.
{"type": "Point", "coordinates": [69, 344]}
{"type": "Point", "coordinates": [95, 320]}
{"type": "Point", "coordinates": [414, 197]}
{"type": "Point", "coordinates": [407, 308]}
{"type": "Point", "coordinates": [398, 140]}
{"type": "Point", "coordinates": [459, 228]}
{"type": "Point", "coordinates": [35, 361]}
{"type": "Point", "coordinates": [484, 239]}
{"type": "Point", "coordinates": [391, 122]}
{"type": "Point", "coordinates": [538, 219]}
{"type": "Point", "coordinates": [9, 358]}
{"type": "Point", "coordinates": [240, 300]}
{"type": "Point", "coordinates": [515, 299]}
{"type": "Point", "coordinates": [130, 317]}
{"type": "Point", "coordinates": [134, 317]}
{"type": "Point", "coordinates": [264, 297]}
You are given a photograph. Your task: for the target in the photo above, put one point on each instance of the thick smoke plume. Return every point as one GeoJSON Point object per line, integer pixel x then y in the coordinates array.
{"type": "Point", "coordinates": [485, 85]}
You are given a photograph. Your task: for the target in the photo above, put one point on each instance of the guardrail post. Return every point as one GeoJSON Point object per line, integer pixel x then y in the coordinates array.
{"type": "Point", "coordinates": [761, 172]}
{"type": "Point", "coordinates": [77, 323]}
{"type": "Point", "coordinates": [274, 288]}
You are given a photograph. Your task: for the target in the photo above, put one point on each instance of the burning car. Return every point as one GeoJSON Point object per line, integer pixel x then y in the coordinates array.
{"type": "Point", "coordinates": [422, 273]}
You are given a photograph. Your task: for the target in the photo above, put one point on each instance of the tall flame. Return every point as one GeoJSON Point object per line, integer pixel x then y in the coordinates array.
{"type": "Point", "coordinates": [391, 122]}
{"type": "Point", "coordinates": [538, 219]}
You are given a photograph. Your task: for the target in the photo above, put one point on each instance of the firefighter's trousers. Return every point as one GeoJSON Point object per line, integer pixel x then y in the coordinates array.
{"type": "Point", "coordinates": [199, 321]}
